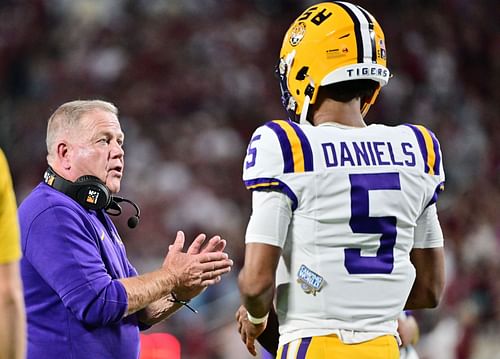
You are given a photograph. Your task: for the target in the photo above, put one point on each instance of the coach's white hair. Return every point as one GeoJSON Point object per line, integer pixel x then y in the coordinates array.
{"type": "Point", "coordinates": [68, 115]}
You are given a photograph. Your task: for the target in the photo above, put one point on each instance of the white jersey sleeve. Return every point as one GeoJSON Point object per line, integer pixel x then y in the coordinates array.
{"type": "Point", "coordinates": [271, 215]}
{"type": "Point", "coordinates": [428, 233]}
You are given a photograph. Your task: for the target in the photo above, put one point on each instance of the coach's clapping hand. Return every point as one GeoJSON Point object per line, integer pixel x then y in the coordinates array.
{"type": "Point", "coordinates": [199, 267]}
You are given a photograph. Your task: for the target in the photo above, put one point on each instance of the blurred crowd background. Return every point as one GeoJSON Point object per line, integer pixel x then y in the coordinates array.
{"type": "Point", "coordinates": [194, 78]}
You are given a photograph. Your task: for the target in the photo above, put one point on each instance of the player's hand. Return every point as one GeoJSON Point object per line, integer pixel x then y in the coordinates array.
{"type": "Point", "coordinates": [194, 270]}
{"type": "Point", "coordinates": [248, 331]}
{"type": "Point", "coordinates": [407, 330]}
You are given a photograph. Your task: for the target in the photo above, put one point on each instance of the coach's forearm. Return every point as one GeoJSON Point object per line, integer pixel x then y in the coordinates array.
{"type": "Point", "coordinates": [147, 288]}
{"type": "Point", "coordinates": [159, 310]}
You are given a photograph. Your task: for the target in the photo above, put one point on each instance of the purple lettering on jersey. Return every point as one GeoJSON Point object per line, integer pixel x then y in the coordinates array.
{"type": "Point", "coordinates": [252, 152]}
{"type": "Point", "coordinates": [345, 155]}
{"type": "Point", "coordinates": [368, 154]}
{"type": "Point", "coordinates": [372, 156]}
{"type": "Point", "coordinates": [330, 154]}
{"type": "Point", "coordinates": [361, 153]}
{"type": "Point", "coordinates": [361, 222]}
{"type": "Point", "coordinates": [407, 147]}
{"type": "Point", "coordinates": [380, 153]}
{"type": "Point", "coordinates": [391, 153]}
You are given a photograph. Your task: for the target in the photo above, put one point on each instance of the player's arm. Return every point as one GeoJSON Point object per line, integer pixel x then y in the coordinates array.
{"type": "Point", "coordinates": [267, 230]}
{"type": "Point", "coordinates": [269, 338]}
{"type": "Point", "coordinates": [265, 237]}
{"type": "Point", "coordinates": [428, 287]}
{"type": "Point", "coordinates": [427, 257]}
{"type": "Point", "coordinates": [256, 279]}
{"type": "Point", "coordinates": [12, 323]}
{"type": "Point", "coordinates": [408, 329]}
{"type": "Point", "coordinates": [257, 286]}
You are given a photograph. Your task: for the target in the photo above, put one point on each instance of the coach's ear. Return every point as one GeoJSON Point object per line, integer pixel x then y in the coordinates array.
{"type": "Point", "coordinates": [63, 154]}
{"type": "Point", "coordinates": [270, 336]}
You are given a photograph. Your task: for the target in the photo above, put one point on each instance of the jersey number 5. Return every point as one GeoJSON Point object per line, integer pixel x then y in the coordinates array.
{"type": "Point", "coordinates": [252, 152]}
{"type": "Point", "coordinates": [361, 222]}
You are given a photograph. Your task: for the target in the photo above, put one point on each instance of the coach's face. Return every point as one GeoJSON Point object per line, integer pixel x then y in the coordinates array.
{"type": "Point", "coordinates": [97, 148]}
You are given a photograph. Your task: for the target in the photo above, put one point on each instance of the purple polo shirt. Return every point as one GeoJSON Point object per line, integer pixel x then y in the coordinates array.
{"type": "Point", "coordinates": [72, 259]}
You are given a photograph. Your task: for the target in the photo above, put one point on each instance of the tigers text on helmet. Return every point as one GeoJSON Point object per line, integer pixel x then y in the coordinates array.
{"type": "Point", "coordinates": [330, 42]}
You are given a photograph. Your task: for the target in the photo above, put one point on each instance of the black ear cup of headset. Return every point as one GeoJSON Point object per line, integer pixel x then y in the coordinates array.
{"type": "Point", "coordinates": [92, 193]}
{"type": "Point", "coordinates": [88, 191]}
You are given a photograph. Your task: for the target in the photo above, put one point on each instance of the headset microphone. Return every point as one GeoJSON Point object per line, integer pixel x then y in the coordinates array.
{"type": "Point", "coordinates": [91, 193]}
{"type": "Point", "coordinates": [132, 221]}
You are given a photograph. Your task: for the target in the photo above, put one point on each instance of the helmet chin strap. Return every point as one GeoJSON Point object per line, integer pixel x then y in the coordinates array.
{"type": "Point", "coordinates": [369, 102]}
{"type": "Point", "coordinates": [303, 113]}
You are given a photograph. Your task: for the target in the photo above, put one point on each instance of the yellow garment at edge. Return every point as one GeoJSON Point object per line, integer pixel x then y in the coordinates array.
{"type": "Point", "coordinates": [9, 227]}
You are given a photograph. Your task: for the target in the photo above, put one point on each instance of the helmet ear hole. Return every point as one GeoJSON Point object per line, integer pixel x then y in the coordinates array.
{"type": "Point", "coordinates": [301, 75]}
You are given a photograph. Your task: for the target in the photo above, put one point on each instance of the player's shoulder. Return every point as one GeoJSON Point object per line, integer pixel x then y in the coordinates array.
{"type": "Point", "coordinates": [281, 129]}
{"type": "Point", "coordinates": [403, 130]}
{"type": "Point", "coordinates": [420, 130]}
{"type": "Point", "coordinates": [429, 147]}
{"type": "Point", "coordinates": [278, 147]}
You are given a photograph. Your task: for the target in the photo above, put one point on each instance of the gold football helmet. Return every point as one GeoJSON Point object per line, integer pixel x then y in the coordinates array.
{"type": "Point", "coordinates": [330, 42]}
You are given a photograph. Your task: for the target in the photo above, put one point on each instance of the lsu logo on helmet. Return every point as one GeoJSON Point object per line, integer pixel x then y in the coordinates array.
{"type": "Point", "coordinates": [297, 33]}
{"type": "Point", "coordinates": [330, 42]}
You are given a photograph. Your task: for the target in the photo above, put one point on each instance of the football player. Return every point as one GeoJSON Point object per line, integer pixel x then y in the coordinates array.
{"type": "Point", "coordinates": [349, 208]}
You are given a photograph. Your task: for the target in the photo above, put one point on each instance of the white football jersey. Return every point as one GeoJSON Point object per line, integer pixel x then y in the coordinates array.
{"type": "Point", "coordinates": [356, 195]}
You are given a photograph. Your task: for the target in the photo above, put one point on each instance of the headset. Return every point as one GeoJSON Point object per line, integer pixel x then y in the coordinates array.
{"type": "Point", "coordinates": [91, 193]}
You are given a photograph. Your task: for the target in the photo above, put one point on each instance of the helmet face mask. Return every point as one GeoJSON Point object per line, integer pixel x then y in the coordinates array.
{"type": "Point", "coordinates": [287, 100]}
{"type": "Point", "coordinates": [329, 43]}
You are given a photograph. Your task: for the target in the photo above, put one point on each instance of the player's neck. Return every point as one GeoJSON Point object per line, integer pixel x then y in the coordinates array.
{"type": "Point", "coordinates": [346, 114]}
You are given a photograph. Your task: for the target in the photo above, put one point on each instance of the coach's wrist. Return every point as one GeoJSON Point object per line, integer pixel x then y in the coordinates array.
{"type": "Point", "coordinates": [256, 320]}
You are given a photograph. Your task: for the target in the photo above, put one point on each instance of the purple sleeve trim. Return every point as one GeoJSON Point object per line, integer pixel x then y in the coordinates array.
{"type": "Point", "coordinates": [263, 184]}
